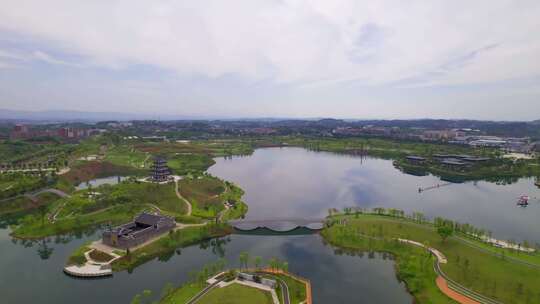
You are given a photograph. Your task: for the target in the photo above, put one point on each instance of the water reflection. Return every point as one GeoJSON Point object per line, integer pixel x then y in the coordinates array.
{"type": "Point", "coordinates": [337, 276]}
{"type": "Point", "coordinates": [294, 182]}
{"type": "Point", "coordinates": [289, 183]}
{"type": "Point", "coordinates": [110, 180]}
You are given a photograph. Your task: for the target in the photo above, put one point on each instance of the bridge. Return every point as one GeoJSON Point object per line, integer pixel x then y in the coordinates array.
{"type": "Point", "coordinates": [278, 226]}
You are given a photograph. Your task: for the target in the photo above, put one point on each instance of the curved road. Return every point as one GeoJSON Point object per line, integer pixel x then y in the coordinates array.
{"type": "Point", "coordinates": [188, 204]}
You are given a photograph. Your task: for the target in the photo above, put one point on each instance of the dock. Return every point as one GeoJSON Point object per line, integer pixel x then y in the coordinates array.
{"type": "Point", "coordinates": [433, 187]}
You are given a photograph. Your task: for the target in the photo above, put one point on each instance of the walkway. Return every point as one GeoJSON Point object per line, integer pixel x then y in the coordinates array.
{"type": "Point", "coordinates": [307, 283]}
{"type": "Point", "coordinates": [51, 190]}
{"type": "Point", "coordinates": [443, 286]}
{"type": "Point", "coordinates": [452, 289]}
{"type": "Point", "coordinates": [188, 204]}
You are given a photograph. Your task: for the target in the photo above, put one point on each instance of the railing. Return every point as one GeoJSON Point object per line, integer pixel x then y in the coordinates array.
{"type": "Point", "coordinates": [461, 289]}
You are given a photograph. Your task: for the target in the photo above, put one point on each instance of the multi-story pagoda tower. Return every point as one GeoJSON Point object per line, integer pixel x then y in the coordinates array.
{"type": "Point", "coordinates": [159, 171]}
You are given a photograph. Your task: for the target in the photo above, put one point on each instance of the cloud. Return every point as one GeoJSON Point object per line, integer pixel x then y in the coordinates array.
{"type": "Point", "coordinates": [39, 55]}
{"type": "Point", "coordinates": [374, 42]}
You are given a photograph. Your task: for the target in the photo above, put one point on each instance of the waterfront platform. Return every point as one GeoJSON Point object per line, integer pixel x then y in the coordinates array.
{"type": "Point", "coordinates": [88, 270]}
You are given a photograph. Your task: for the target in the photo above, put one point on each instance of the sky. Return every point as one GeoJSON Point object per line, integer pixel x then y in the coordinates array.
{"type": "Point", "coordinates": [269, 58]}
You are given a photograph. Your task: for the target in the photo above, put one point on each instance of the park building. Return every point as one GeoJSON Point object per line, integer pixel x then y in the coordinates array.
{"type": "Point", "coordinates": [144, 227]}
{"type": "Point", "coordinates": [160, 172]}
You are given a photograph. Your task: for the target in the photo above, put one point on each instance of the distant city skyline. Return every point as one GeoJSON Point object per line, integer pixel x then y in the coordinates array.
{"type": "Point", "coordinates": [283, 59]}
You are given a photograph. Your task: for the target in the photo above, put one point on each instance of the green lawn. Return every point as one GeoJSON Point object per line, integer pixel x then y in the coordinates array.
{"type": "Point", "coordinates": [204, 195]}
{"type": "Point", "coordinates": [489, 275]}
{"type": "Point", "coordinates": [126, 155]}
{"type": "Point", "coordinates": [13, 184]}
{"type": "Point", "coordinates": [297, 289]}
{"type": "Point", "coordinates": [82, 171]}
{"type": "Point", "coordinates": [115, 204]}
{"type": "Point", "coordinates": [183, 163]}
{"type": "Point", "coordinates": [236, 294]}
{"type": "Point", "coordinates": [24, 204]}
{"type": "Point", "coordinates": [36, 226]}
{"type": "Point", "coordinates": [183, 294]}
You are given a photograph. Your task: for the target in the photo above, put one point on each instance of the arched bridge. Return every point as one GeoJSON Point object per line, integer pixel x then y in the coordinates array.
{"type": "Point", "coordinates": [278, 226]}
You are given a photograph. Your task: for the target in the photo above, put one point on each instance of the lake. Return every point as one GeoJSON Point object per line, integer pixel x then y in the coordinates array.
{"type": "Point", "coordinates": [294, 182]}
{"type": "Point", "coordinates": [282, 183]}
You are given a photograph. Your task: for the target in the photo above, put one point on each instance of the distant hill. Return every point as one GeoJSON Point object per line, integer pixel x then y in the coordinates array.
{"type": "Point", "coordinates": [78, 116]}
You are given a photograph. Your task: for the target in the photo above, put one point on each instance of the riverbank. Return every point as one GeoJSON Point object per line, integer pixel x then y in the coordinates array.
{"type": "Point", "coordinates": [504, 171]}
{"type": "Point", "coordinates": [497, 170]}
{"type": "Point", "coordinates": [116, 204]}
{"type": "Point", "coordinates": [483, 271]}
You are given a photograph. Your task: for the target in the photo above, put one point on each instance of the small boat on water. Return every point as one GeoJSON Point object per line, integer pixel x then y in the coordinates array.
{"type": "Point", "coordinates": [523, 201]}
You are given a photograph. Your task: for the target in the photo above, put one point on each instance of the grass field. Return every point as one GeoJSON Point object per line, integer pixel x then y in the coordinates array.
{"type": "Point", "coordinates": [182, 164]}
{"type": "Point", "coordinates": [13, 184]}
{"type": "Point", "coordinates": [183, 294]}
{"type": "Point", "coordinates": [127, 156]}
{"type": "Point", "coordinates": [204, 195]}
{"type": "Point", "coordinates": [115, 204]}
{"type": "Point", "coordinates": [22, 203]}
{"type": "Point", "coordinates": [35, 226]}
{"type": "Point", "coordinates": [489, 275]}
{"type": "Point", "coordinates": [297, 289]}
{"type": "Point", "coordinates": [213, 148]}
{"type": "Point", "coordinates": [236, 294]}
{"type": "Point", "coordinates": [86, 170]}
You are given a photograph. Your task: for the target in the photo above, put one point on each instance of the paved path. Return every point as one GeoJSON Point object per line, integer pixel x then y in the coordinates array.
{"type": "Point", "coordinates": [443, 286]}
{"type": "Point", "coordinates": [188, 204]}
{"type": "Point", "coordinates": [452, 289]}
{"type": "Point", "coordinates": [496, 254]}
{"type": "Point", "coordinates": [51, 190]}
{"type": "Point", "coordinates": [203, 292]}
{"type": "Point", "coordinates": [306, 282]}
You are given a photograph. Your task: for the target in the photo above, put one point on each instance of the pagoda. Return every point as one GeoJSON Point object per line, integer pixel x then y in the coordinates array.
{"type": "Point", "coordinates": [159, 170]}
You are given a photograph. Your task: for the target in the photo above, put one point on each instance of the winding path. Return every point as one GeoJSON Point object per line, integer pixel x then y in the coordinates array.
{"type": "Point", "coordinates": [188, 204]}
{"type": "Point", "coordinates": [449, 287]}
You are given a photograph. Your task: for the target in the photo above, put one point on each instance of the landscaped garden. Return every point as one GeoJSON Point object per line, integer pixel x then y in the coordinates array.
{"type": "Point", "coordinates": [484, 271]}
{"type": "Point", "coordinates": [234, 291]}
{"type": "Point", "coordinates": [236, 294]}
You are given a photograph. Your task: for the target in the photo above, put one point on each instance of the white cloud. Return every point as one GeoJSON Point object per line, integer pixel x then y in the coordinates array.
{"type": "Point", "coordinates": [39, 55]}
{"type": "Point", "coordinates": [307, 42]}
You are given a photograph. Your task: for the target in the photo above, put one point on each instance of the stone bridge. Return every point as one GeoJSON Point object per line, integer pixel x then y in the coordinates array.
{"type": "Point", "coordinates": [279, 225]}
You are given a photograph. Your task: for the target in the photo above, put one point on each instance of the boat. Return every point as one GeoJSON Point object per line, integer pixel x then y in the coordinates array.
{"type": "Point", "coordinates": [523, 200]}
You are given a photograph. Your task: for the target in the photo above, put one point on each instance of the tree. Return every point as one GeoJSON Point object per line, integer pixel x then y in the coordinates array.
{"type": "Point", "coordinates": [285, 266]}
{"type": "Point", "coordinates": [136, 299]}
{"type": "Point", "coordinates": [445, 232]}
{"type": "Point", "coordinates": [258, 262]}
{"type": "Point", "coordinates": [167, 290]}
{"type": "Point", "coordinates": [244, 258]}
{"type": "Point", "coordinates": [42, 209]}
{"type": "Point", "coordinates": [147, 293]}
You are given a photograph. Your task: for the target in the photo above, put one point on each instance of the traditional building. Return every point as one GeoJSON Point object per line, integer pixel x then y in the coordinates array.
{"type": "Point", "coordinates": [143, 228]}
{"type": "Point", "coordinates": [416, 160]}
{"type": "Point", "coordinates": [160, 171]}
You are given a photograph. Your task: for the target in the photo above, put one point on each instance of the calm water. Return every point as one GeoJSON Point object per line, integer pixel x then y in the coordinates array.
{"type": "Point", "coordinates": [293, 182]}
{"type": "Point", "coordinates": [335, 278]}
{"type": "Point", "coordinates": [281, 183]}
{"type": "Point", "coordinates": [110, 180]}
